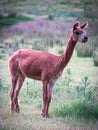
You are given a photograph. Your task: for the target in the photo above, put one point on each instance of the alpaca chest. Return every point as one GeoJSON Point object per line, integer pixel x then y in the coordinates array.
{"type": "Point", "coordinates": [55, 77]}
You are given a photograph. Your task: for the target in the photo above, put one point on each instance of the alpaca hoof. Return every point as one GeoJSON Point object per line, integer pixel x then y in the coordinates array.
{"type": "Point", "coordinates": [12, 110]}
{"type": "Point", "coordinates": [17, 109]}
{"type": "Point", "coordinates": [45, 115]}
{"type": "Point", "coordinates": [42, 114]}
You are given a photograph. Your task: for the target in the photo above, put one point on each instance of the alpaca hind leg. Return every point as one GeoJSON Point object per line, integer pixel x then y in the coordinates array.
{"type": "Point", "coordinates": [12, 90]}
{"type": "Point", "coordinates": [17, 90]}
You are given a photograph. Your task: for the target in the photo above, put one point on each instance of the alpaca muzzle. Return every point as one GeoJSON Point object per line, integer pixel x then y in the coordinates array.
{"type": "Point", "coordinates": [85, 39]}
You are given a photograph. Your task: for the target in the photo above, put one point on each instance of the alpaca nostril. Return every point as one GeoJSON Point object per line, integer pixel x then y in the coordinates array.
{"type": "Point", "coordinates": [86, 38]}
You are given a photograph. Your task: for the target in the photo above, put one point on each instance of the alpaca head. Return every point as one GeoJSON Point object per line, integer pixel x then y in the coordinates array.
{"type": "Point", "coordinates": [78, 32]}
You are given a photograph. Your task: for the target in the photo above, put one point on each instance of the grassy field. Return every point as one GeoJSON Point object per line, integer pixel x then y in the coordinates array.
{"type": "Point", "coordinates": [30, 100]}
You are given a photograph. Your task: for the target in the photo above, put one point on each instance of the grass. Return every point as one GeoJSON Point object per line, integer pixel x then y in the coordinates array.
{"type": "Point", "coordinates": [29, 118]}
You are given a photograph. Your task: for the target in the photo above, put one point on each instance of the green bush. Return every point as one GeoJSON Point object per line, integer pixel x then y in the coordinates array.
{"type": "Point", "coordinates": [77, 108]}
{"type": "Point", "coordinates": [1, 86]}
{"type": "Point", "coordinates": [94, 42]}
{"type": "Point", "coordinates": [84, 50]}
{"type": "Point", "coordinates": [95, 58]}
{"type": "Point", "coordinates": [60, 50]}
{"type": "Point", "coordinates": [2, 51]}
{"type": "Point", "coordinates": [84, 90]}
{"type": "Point", "coordinates": [50, 17]}
{"type": "Point", "coordinates": [82, 102]}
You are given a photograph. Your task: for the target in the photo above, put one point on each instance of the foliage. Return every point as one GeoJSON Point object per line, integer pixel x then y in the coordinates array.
{"type": "Point", "coordinates": [12, 19]}
{"type": "Point", "coordinates": [39, 45]}
{"type": "Point", "coordinates": [95, 58]}
{"type": "Point", "coordinates": [33, 93]}
{"type": "Point", "coordinates": [95, 42]}
{"type": "Point", "coordinates": [82, 102]}
{"type": "Point", "coordinates": [2, 51]}
{"type": "Point", "coordinates": [84, 50]}
{"type": "Point", "coordinates": [1, 86]}
{"type": "Point", "coordinates": [50, 17]}
{"type": "Point", "coordinates": [84, 90]}
{"type": "Point", "coordinates": [12, 45]}
{"type": "Point", "coordinates": [60, 50]}
{"type": "Point", "coordinates": [68, 79]}
{"type": "Point", "coordinates": [77, 108]}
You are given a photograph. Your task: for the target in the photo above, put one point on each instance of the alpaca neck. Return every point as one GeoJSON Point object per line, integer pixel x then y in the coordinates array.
{"type": "Point", "coordinates": [66, 56]}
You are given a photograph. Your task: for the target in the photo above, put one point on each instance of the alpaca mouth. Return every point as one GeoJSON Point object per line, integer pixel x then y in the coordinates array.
{"type": "Point", "coordinates": [85, 39]}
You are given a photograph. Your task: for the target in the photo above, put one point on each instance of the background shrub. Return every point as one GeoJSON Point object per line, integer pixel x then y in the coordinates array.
{"type": "Point", "coordinates": [77, 108]}
{"type": "Point", "coordinates": [50, 17]}
{"type": "Point", "coordinates": [60, 50]}
{"type": "Point", "coordinates": [94, 42]}
{"type": "Point", "coordinates": [81, 101]}
{"type": "Point", "coordinates": [84, 50]}
{"type": "Point", "coordinates": [1, 86]}
{"type": "Point", "coordinates": [2, 51]}
{"type": "Point", "coordinates": [95, 57]}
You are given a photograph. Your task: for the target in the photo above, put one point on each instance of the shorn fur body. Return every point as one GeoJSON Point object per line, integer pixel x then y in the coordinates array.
{"type": "Point", "coordinates": [43, 66]}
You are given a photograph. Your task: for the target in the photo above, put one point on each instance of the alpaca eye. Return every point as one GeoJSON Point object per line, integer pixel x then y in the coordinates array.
{"type": "Point", "coordinates": [77, 33]}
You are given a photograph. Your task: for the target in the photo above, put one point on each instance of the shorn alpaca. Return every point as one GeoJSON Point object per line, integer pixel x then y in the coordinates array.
{"type": "Point", "coordinates": [43, 66]}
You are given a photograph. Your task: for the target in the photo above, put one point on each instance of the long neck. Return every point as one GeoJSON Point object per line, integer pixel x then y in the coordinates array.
{"type": "Point", "coordinates": [66, 56]}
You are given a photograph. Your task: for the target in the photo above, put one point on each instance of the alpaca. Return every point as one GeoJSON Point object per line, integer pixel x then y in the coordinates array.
{"type": "Point", "coordinates": [43, 66]}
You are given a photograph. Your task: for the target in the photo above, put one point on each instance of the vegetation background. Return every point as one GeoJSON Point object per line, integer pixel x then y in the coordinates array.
{"type": "Point", "coordinates": [46, 25]}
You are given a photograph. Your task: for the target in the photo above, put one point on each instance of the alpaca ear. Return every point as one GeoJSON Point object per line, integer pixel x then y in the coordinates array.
{"type": "Point", "coordinates": [84, 25]}
{"type": "Point", "coordinates": [76, 25]}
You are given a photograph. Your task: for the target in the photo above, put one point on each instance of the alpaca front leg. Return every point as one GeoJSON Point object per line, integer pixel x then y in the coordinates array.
{"type": "Point", "coordinates": [49, 96]}
{"type": "Point", "coordinates": [47, 107]}
{"type": "Point", "coordinates": [44, 100]}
